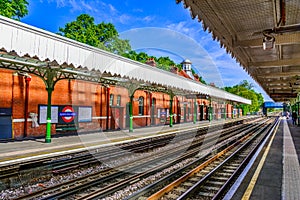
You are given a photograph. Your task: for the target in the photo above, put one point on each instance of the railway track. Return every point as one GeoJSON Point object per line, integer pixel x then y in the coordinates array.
{"type": "Point", "coordinates": [212, 178]}
{"type": "Point", "coordinates": [121, 179]}
{"type": "Point", "coordinates": [65, 164]}
{"type": "Point", "coordinates": [100, 180]}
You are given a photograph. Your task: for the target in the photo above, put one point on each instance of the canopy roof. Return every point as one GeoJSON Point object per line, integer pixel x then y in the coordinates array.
{"type": "Point", "coordinates": [36, 49]}
{"type": "Point", "coordinates": [241, 26]}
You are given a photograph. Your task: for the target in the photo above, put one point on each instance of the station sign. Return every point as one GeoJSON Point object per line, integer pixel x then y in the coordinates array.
{"type": "Point", "coordinates": [65, 114]}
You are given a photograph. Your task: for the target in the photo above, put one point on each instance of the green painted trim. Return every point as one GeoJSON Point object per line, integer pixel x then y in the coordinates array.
{"type": "Point", "coordinates": [171, 111]}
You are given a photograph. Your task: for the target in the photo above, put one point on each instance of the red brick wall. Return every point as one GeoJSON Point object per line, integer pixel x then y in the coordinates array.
{"type": "Point", "coordinates": [82, 93]}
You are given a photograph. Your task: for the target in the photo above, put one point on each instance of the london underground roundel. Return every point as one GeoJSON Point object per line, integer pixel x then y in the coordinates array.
{"type": "Point", "coordinates": [68, 114]}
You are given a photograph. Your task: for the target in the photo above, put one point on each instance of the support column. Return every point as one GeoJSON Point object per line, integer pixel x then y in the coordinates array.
{"type": "Point", "coordinates": [298, 113]}
{"type": "Point", "coordinates": [232, 109]}
{"type": "Point", "coordinates": [171, 110]}
{"type": "Point", "coordinates": [195, 111]}
{"type": "Point", "coordinates": [50, 88]}
{"type": "Point", "coordinates": [130, 114]}
{"type": "Point", "coordinates": [225, 114]}
{"type": "Point", "coordinates": [210, 111]}
{"type": "Point", "coordinates": [48, 129]}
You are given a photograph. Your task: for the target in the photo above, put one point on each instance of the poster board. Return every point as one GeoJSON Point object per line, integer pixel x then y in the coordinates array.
{"type": "Point", "coordinates": [43, 114]}
{"type": "Point", "coordinates": [83, 114]}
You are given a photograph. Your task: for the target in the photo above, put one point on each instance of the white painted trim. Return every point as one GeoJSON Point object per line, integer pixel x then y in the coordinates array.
{"type": "Point", "coordinates": [141, 116]}
{"type": "Point", "coordinates": [21, 120]}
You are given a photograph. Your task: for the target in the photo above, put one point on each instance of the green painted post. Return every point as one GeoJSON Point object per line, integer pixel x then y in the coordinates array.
{"type": "Point", "coordinates": [195, 111]}
{"type": "Point", "coordinates": [210, 111]}
{"type": "Point", "coordinates": [48, 128]}
{"type": "Point", "coordinates": [298, 114]}
{"type": "Point", "coordinates": [130, 115]}
{"type": "Point", "coordinates": [171, 111]}
{"type": "Point", "coordinates": [225, 111]}
{"type": "Point", "coordinates": [232, 113]}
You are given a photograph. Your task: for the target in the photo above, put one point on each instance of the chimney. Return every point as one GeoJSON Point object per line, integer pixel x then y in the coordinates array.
{"type": "Point", "coordinates": [196, 77]}
{"type": "Point", "coordinates": [174, 69]}
{"type": "Point", "coordinates": [151, 62]}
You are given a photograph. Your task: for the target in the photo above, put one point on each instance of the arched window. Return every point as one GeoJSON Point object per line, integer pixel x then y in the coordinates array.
{"type": "Point", "coordinates": [141, 105]}
{"type": "Point", "coordinates": [111, 99]}
{"type": "Point", "coordinates": [119, 100]}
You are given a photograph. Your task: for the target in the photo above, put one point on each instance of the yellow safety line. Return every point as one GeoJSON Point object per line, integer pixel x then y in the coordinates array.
{"type": "Point", "coordinates": [252, 183]}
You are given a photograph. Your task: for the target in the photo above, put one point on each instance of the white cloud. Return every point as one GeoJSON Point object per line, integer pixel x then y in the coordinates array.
{"type": "Point", "coordinates": [148, 18]}
{"type": "Point", "coordinates": [125, 19]}
{"type": "Point", "coordinates": [86, 6]}
{"type": "Point", "coordinates": [112, 8]}
{"type": "Point", "coordinates": [138, 10]}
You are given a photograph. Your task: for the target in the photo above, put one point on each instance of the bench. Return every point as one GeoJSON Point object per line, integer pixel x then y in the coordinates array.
{"type": "Point", "coordinates": [67, 127]}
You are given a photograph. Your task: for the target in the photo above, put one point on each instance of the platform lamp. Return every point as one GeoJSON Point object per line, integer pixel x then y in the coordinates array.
{"type": "Point", "coordinates": [268, 41]}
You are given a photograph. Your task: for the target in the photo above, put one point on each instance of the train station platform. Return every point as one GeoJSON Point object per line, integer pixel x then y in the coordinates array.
{"type": "Point", "coordinates": [275, 174]}
{"type": "Point", "coordinates": [18, 151]}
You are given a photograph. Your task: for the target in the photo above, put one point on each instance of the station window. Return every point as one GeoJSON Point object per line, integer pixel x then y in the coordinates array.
{"type": "Point", "coordinates": [111, 99]}
{"type": "Point", "coordinates": [119, 100]}
{"type": "Point", "coordinates": [141, 105]}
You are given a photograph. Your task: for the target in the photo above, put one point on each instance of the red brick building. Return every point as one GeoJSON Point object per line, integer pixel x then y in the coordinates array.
{"type": "Point", "coordinates": [149, 108]}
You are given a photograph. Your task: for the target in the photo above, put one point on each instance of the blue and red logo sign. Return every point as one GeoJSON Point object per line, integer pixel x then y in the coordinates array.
{"type": "Point", "coordinates": [68, 114]}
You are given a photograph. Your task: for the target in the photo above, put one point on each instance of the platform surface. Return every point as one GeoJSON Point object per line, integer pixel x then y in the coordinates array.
{"type": "Point", "coordinates": [279, 176]}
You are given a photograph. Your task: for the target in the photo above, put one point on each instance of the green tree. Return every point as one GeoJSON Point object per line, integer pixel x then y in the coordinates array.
{"type": "Point", "coordinates": [165, 63]}
{"type": "Point", "coordinates": [245, 89]}
{"type": "Point", "coordinates": [103, 35]}
{"type": "Point", "coordinates": [202, 80]}
{"type": "Point", "coordinates": [117, 45]}
{"type": "Point", "coordinates": [14, 9]}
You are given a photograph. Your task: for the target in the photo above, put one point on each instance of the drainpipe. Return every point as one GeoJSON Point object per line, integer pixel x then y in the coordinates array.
{"type": "Point", "coordinates": [150, 108]}
{"type": "Point", "coordinates": [107, 106]}
{"type": "Point", "coordinates": [131, 114]}
{"type": "Point", "coordinates": [27, 81]}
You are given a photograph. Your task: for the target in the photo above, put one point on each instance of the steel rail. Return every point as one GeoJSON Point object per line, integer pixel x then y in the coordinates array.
{"type": "Point", "coordinates": [196, 186]}
{"type": "Point", "coordinates": [176, 183]}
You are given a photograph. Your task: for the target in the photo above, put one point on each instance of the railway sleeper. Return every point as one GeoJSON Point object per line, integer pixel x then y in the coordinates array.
{"type": "Point", "coordinates": [214, 183]}
{"type": "Point", "coordinates": [219, 178]}
{"type": "Point", "coordinates": [206, 194]}
{"type": "Point", "coordinates": [228, 170]}
{"type": "Point", "coordinates": [211, 188]}
{"type": "Point", "coordinates": [224, 174]}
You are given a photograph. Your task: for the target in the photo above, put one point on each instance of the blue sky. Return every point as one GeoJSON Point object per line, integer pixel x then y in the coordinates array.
{"type": "Point", "coordinates": [158, 27]}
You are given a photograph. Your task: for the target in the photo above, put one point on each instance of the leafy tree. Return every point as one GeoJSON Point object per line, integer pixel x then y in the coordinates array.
{"type": "Point", "coordinates": [165, 63]}
{"type": "Point", "coordinates": [116, 45]}
{"type": "Point", "coordinates": [103, 35]}
{"type": "Point", "coordinates": [133, 55]}
{"type": "Point", "coordinates": [14, 9]}
{"type": "Point", "coordinates": [245, 90]}
{"type": "Point", "coordinates": [202, 80]}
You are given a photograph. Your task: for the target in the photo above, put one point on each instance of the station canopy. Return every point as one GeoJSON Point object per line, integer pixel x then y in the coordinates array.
{"type": "Point", "coordinates": [29, 49]}
{"type": "Point", "coordinates": [263, 36]}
